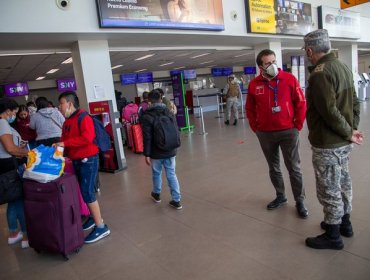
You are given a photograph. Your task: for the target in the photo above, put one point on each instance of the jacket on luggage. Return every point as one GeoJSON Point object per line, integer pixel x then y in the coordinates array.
{"type": "Point", "coordinates": [333, 110]}
{"type": "Point", "coordinates": [261, 100]}
{"type": "Point", "coordinates": [147, 123]}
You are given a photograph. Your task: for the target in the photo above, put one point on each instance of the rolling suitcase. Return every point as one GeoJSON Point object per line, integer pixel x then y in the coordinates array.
{"type": "Point", "coordinates": [53, 215]}
{"type": "Point", "coordinates": [136, 135]}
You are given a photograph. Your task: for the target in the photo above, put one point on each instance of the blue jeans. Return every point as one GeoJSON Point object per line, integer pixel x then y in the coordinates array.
{"type": "Point", "coordinates": [86, 172]}
{"type": "Point", "coordinates": [15, 213]}
{"type": "Point", "coordinates": [170, 168]}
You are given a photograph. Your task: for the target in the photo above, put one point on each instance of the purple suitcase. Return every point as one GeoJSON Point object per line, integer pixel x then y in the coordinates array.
{"type": "Point", "coordinates": [53, 216]}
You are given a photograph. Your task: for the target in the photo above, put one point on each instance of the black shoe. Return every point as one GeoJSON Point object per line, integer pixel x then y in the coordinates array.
{"type": "Point", "coordinates": [277, 202]}
{"type": "Point", "coordinates": [235, 122]}
{"type": "Point", "coordinates": [156, 197]}
{"type": "Point", "coordinates": [345, 228]}
{"type": "Point", "coordinates": [301, 210]}
{"type": "Point", "coordinates": [176, 204]}
{"type": "Point", "coordinates": [324, 241]}
{"type": "Point", "coordinates": [227, 122]}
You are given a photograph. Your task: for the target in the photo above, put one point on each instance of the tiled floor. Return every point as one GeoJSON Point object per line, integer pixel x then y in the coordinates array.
{"type": "Point", "coordinates": [223, 231]}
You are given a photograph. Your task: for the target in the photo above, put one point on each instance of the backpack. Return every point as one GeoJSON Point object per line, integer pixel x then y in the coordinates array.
{"type": "Point", "coordinates": [166, 134]}
{"type": "Point", "coordinates": [128, 111]}
{"type": "Point", "coordinates": [102, 138]}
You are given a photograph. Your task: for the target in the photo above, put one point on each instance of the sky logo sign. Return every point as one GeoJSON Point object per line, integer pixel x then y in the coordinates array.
{"type": "Point", "coordinates": [16, 89]}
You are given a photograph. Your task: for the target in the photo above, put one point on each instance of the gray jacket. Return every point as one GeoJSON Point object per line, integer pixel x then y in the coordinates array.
{"type": "Point", "coordinates": [48, 123]}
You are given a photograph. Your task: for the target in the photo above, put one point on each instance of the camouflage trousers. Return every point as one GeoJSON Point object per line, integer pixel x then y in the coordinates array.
{"type": "Point", "coordinates": [333, 182]}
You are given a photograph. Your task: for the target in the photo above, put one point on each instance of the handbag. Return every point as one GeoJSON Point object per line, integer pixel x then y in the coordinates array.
{"type": "Point", "coordinates": [11, 186]}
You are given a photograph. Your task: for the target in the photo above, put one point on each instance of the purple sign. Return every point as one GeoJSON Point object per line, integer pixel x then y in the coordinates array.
{"type": "Point", "coordinates": [17, 89]}
{"type": "Point", "coordinates": [67, 84]}
{"type": "Point", "coordinates": [178, 95]}
{"type": "Point", "coordinates": [250, 70]}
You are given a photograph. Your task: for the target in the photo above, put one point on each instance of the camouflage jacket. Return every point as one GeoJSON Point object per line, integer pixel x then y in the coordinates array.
{"type": "Point", "coordinates": [333, 110]}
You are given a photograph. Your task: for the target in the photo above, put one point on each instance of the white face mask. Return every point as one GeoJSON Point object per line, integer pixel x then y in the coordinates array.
{"type": "Point", "coordinates": [272, 70]}
{"type": "Point", "coordinates": [68, 112]}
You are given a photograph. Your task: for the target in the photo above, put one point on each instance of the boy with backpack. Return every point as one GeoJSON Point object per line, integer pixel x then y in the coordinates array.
{"type": "Point", "coordinates": [80, 145]}
{"type": "Point", "coordinates": [161, 138]}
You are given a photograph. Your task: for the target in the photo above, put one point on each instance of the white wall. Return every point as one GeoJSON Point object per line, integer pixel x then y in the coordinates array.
{"type": "Point", "coordinates": [364, 64]}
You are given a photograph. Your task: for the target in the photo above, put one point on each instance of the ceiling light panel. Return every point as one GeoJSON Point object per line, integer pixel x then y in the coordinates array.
{"type": "Point", "coordinates": [200, 55]}
{"type": "Point", "coordinates": [144, 57]}
{"type": "Point", "coordinates": [51, 71]}
{"type": "Point", "coordinates": [168, 63]}
{"type": "Point", "coordinates": [67, 61]}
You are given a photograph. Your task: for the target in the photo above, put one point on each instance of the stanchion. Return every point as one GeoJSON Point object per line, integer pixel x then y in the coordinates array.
{"type": "Point", "coordinates": [242, 101]}
{"type": "Point", "coordinates": [198, 104]}
{"type": "Point", "coordinates": [187, 120]}
{"type": "Point", "coordinates": [202, 121]}
{"type": "Point", "coordinates": [218, 107]}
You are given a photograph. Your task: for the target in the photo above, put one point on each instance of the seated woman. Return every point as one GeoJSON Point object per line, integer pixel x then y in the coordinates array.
{"type": "Point", "coordinates": [22, 126]}
{"type": "Point", "coordinates": [47, 122]}
{"type": "Point", "coordinates": [9, 148]}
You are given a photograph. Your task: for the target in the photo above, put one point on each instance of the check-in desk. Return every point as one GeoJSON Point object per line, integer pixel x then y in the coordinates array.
{"type": "Point", "coordinates": [207, 98]}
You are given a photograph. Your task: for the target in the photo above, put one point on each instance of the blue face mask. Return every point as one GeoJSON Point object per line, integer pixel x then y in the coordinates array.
{"type": "Point", "coordinates": [11, 119]}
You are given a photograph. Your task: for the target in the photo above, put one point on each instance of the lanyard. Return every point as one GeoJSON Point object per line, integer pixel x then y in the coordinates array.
{"type": "Point", "coordinates": [275, 90]}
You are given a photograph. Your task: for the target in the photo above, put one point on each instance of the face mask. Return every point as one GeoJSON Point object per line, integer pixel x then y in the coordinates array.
{"type": "Point", "coordinates": [11, 119]}
{"type": "Point", "coordinates": [68, 112]}
{"type": "Point", "coordinates": [272, 70]}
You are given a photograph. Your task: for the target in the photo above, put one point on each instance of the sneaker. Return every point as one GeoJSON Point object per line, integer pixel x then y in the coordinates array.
{"type": "Point", "coordinates": [277, 202]}
{"type": "Point", "coordinates": [15, 239]}
{"type": "Point", "coordinates": [88, 224]}
{"type": "Point", "coordinates": [227, 122]}
{"type": "Point", "coordinates": [25, 244]}
{"type": "Point", "coordinates": [97, 234]}
{"type": "Point", "coordinates": [176, 204]}
{"type": "Point", "coordinates": [235, 122]}
{"type": "Point", "coordinates": [156, 197]}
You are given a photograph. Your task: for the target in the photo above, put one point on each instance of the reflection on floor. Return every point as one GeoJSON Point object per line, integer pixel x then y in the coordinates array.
{"type": "Point", "coordinates": [223, 231]}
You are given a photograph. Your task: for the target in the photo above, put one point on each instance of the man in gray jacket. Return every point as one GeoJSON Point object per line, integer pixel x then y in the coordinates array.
{"type": "Point", "coordinates": [333, 115]}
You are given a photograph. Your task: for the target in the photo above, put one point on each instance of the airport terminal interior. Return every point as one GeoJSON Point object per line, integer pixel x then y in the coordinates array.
{"type": "Point", "coordinates": [110, 50]}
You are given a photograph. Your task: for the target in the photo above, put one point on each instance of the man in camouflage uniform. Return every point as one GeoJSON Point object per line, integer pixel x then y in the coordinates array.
{"type": "Point", "coordinates": [333, 115]}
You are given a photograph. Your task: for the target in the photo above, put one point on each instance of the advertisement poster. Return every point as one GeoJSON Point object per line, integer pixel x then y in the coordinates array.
{"type": "Point", "coordinates": [178, 14]}
{"type": "Point", "coordinates": [279, 17]}
{"type": "Point", "coordinates": [339, 23]}
{"type": "Point", "coordinates": [179, 100]}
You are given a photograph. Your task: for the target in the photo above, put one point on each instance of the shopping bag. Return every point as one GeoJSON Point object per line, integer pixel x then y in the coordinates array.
{"type": "Point", "coordinates": [44, 164]}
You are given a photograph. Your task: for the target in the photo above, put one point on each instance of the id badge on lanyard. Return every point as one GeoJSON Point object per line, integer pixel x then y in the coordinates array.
{"type": "Point", "coordinates": [276, 108]}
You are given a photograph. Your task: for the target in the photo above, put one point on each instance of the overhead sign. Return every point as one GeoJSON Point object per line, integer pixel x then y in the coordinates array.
{"type": "Point", "coordinates": [17, 89]}
{"type": "Point", "coordinates": [344, 4]}
{"type": "Point", "coordinates": [182, 14]}
{"type": "Point", "coordinates": [66, 84]}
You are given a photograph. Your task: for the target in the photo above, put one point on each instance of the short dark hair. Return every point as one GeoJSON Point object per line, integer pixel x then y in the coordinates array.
{"type": "Point", "coordinates": [70, 96]}
{"type": "Point", "coordinates": [155, 96]}
{"type": "Point", "coordinates": [41, 102]}
{"type": "Point", "coordinates": [7, 104]}
{"type": "Point", "coordinates": [263, 53]}
{"type": "Point", "coordinates": [30, 103]}
{"type": "Point", "coordinates": [145, 95]}
{"type": "Point", "coordinates": [160, 91]}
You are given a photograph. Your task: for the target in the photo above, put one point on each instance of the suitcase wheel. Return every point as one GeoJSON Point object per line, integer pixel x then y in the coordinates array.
{"type": "Point", "coordinates": [66, 258]}
{"type": "Point", "coordinates": [77, 250]}
{"type": "Point", "coordinates": [37, 251]}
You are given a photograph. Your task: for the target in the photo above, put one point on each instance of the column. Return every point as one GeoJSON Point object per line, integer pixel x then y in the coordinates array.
{"type": "Point", "coordinates": [93, 74]}
{"type": "Point", "coordinates": [349, 56]}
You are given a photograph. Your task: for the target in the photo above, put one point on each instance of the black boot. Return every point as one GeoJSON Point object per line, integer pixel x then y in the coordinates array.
{"type": "Point", "coordinates": [227, 122]}
{"type": "Point", "coordinates": [235, 122]}
{"type": "Point", "coordinates": [345, 228]}
{"type": "Point", "coordinates": [329, 240]}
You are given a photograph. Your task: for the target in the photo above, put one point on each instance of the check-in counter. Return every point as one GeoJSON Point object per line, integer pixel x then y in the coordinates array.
{"type": "Point", "coordinates": [207, 98]}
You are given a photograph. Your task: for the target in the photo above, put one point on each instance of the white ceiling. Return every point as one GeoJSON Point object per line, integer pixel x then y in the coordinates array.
{"type": "Point", "coordinates": [126, 47]}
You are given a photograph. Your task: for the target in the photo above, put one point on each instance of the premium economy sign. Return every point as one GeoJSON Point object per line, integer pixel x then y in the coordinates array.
{"type": "Point", "coordinates": [180, 14]}
{"type": "Point", "coordinates": [279, 17]}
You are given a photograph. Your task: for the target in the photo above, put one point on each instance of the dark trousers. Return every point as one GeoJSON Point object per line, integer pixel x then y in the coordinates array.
{"type": "Point", "coordinates": [288, 141]}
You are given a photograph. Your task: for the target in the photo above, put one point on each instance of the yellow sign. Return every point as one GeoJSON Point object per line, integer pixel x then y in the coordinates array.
{"type": "Point", "coordinates": [344, 4]}
{"type": "Point", "coordinates": [262, 16]}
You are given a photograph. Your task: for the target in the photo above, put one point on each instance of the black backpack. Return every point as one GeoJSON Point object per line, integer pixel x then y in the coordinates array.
{"type": "Point", "coordinates": [166, 134]}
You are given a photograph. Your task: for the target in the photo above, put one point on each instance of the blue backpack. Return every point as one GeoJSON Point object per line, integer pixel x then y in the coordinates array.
{"type": "Point", "coordinates": [102, 138]}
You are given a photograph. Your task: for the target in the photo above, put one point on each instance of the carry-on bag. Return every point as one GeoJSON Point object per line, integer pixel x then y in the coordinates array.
{"type": "Point", "coordinates": [53, 215]}
{"type": "Point", "coordinates": [136, 135]}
